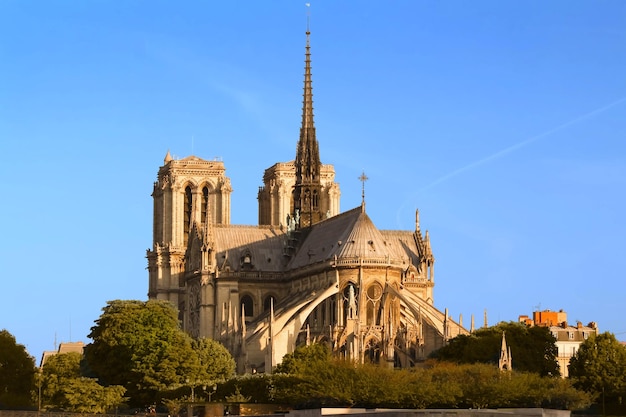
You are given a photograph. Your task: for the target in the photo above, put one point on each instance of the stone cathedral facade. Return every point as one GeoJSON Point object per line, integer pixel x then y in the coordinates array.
{"type": "Point", "coordinates": [307, 273]}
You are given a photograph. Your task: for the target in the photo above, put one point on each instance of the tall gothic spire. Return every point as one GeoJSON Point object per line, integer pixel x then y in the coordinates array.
{"type": "Point", "coordinates": [307, 188]}
{"type": "Point", "coordinates": [307, 154]}
{"type": "Point", "coordinates": [506, 361]}
{"type": "Point", "coordinates": [307, 105]}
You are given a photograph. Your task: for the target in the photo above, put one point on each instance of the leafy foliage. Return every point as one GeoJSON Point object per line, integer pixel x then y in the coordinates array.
{"type": "Point", "coordinates": [238, 397]}
{"type": "Point", "coordinates": [216, 362]}
{"type": "Point", "coordinates": [141, 346]}
{"type": "Point", "coordinates": [533, 348]}
{"type": "Point", "coordinates": [174, 405]}
{"type": "Point", "coordinates": [303, 357]}
{"type": "Point", "coordinates": [442, 386]}
{"type": "Point", "coordinates": [308, 381]}
{"type": "Point", "coordinates": [257, 387]}
{"type": "Point", "coordinates": [64, 388]}
{"type": "Point", "coordinates": [599, 367]}
{"type": "Point", "coordinates": [17, 373]}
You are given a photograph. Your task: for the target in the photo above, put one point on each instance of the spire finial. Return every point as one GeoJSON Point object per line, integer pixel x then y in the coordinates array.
{"type": "Point", "coordinates": [417, 220]}
{"type": "Point", "coordinates": [363, 178]}
{"type": "Point", "coordinates": [307, 105]}
{"type": "Point", "coordinates": [308, 17]}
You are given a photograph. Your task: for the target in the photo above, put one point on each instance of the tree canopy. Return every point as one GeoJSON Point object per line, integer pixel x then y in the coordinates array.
{"type": "Point", "coordinates": [339, 383]}
{"type": "Point", "coordinates": [304, 357]}
{"type": "Point", "coordinates": [216, 362]}
{"type": "Point", "coordinates": [599, 367]}
{"type": "Point", "coordinates": [533, 348]}
{"type": "Point", "coordinates": [310, 378]}
{"type": "Point", "coordinates": [141, 346]}
{"type": "Point", "coordinates": [17, 373]}
{"type": "Point", "coordinates": [65, 388]}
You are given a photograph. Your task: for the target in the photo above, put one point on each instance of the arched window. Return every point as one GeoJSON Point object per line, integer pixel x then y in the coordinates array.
{"type": "Point", "coordinates": [372, 351]}
{"type": "Point", "coordinates": [187, 210]}
{"type": "Point", "coordinates": [267, 303]}
{"type": "Point", "coordinates": [248, 305]}
{"type": "Point", "coordinates": [374, 294]}
{"type": "Point", "coordinates": [370, 314]}
{"type": "Point", "coordinates": [316, 199]}
{"type": "Point", "coordinates": [205, 204]}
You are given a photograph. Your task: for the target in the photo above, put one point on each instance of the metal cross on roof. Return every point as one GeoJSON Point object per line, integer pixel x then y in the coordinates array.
{"type": "Point", "coordinates": [363, 178]}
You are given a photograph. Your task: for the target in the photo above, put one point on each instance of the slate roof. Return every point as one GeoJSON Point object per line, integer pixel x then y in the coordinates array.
{"type": "Point", "coordinates": [350, 235]}
{"type": "Point", "coordinates": [263, 244]}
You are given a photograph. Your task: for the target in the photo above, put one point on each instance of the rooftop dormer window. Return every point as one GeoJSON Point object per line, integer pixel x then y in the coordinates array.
{"type": "Point", "coordinates": [246, 261]}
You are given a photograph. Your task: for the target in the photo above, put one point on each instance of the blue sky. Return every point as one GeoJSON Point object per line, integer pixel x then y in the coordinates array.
{"type": "Point", "coordinates": [504, 122]}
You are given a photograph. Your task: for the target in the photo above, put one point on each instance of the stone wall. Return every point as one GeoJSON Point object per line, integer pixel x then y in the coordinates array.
{"type": "Point", "coordinates": [356, 412]}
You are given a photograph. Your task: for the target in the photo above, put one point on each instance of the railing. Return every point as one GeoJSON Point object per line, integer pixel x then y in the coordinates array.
{"type": "Point", "coordinates": [251, 275]}
{"type": "Point", "coordinates": [366, 261]}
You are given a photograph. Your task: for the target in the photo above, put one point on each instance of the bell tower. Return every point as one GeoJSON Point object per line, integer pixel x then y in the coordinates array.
{"type": "Point", "coordinates": [189, 191]}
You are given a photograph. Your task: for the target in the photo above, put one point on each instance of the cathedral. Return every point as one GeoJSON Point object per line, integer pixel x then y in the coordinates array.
{"type": "Point", "coordinates": [307, 273]}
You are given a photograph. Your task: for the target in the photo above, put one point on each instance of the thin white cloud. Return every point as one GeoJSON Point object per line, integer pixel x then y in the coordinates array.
{"type": "Point", "coordinates": [522, 144]}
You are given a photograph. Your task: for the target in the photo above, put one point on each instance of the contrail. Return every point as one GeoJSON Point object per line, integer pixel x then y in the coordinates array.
{"type": "Point", "coordinates": [522, 144]}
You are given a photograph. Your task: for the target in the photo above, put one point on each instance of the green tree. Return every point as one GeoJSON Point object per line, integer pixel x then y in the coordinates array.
{"type": "Point", "coordinates": [65, 388]}
{"type": "Point", "coordinates": [303, 357]}
{"type": "Point", "coordinates": [141, 346]}
{"type": "Point", "coordinates": [17, 373]}
{"type": "Point", "coordinates": [599, 367]}
{"type": "Point", "coordinates": [259, 387]}
{"type": "Point", "coordinates": [533, 348]}
{"type": "Point", "coordinates": [216, 362]}
{"type": "Point", "coordinates": [437, 385]}
{"type": "Point", "coordinates": [56, 372]}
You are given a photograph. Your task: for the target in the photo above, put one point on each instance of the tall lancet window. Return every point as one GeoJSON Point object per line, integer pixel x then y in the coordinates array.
{"type": "Point", "coordinates": [187, 219]}
{"type": "Point", "coordinates": [205, 204]}
{"type": "Point", "coordinates": [269, 301]}
{"type": "Point", "coordinates": [316, 200]}
{"type": "Point", "coordinates": [248, 305]}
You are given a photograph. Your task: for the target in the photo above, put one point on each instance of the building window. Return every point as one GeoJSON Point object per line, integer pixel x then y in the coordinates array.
{"type": "Point", "coordinates": [246, 261]}
{"type": "Point", "coordinates": [205, 204]}
{"type": "Point", "coordinates": [372, 351]}
{"type": "Point", "coordinates": [267, 304]}
{"type": "Point", "coordinates": [374, 294]}
{"type": "Point", "coordinates": [571, 335]}
{"type": "Point", "coordinates": [247, 305]}
{"type": "Point", "coordinates": [187, 219]}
